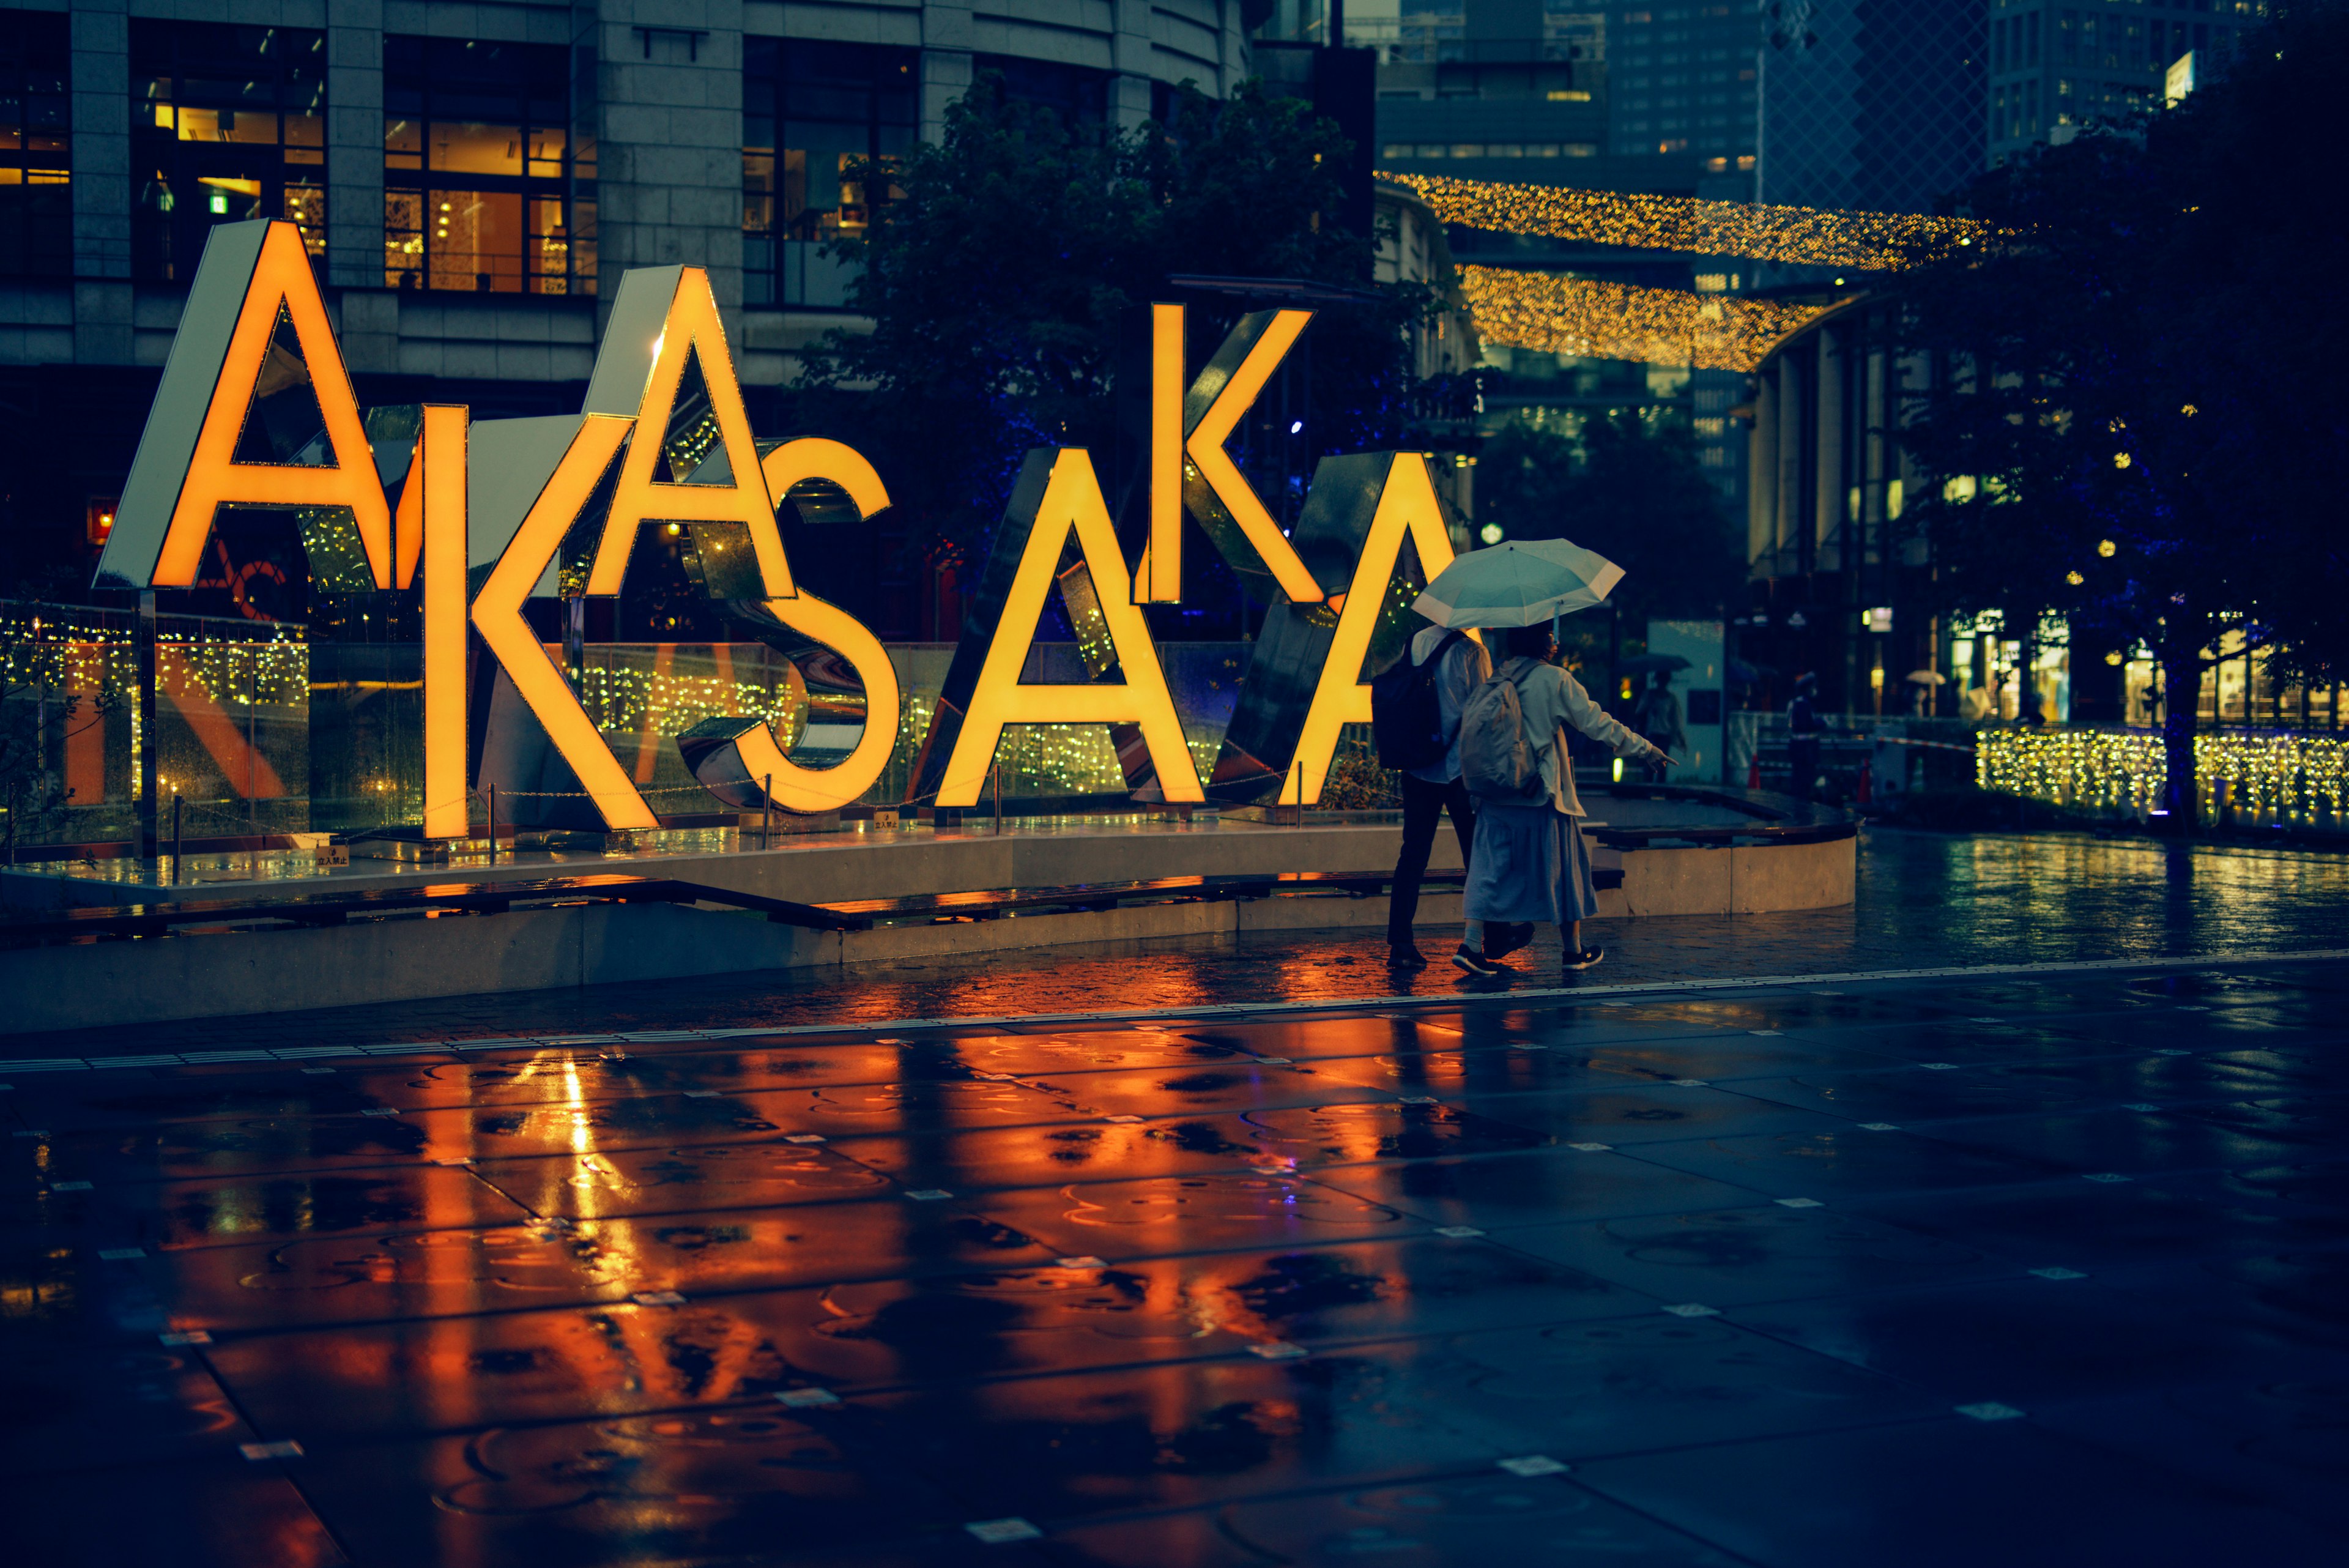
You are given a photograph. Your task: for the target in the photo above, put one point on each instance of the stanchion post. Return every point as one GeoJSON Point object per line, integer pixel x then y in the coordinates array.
{"type": "Point", "coordinates": [150, 752]}
{"type": "Point", "coordinates": [999, 800]}
{"type": "Point", "coordinates": [766, 811]}
{"type": "Point", "coordinates": [178, 845]}
{"type": "Point", "coordinates": [493, 824]}
{"type": "Point", "coordinates": [252, 739]}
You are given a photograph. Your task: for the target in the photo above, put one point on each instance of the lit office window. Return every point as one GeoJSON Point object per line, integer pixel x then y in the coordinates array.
{"type": "Point", "coordinates": [35, 161]}
{"type": "Point", "coordinates": [813, 115]}
{"type": "Point", "coordinates": [228, 123]}
{"type": "Point", "coordinates": [479, 169]}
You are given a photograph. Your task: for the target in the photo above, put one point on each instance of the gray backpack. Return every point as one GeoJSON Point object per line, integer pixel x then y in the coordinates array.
{"type": "Point", "coordinates": [1495, 763]}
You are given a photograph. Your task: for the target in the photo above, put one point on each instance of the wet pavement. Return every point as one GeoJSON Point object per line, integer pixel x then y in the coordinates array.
{"type": "Point", "coordinates": [1924, 900]}
{"type": "Point", "coordinates": [2021, 1268]}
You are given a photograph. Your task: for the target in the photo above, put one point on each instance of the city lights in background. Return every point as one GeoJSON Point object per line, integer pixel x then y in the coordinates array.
{"type": "Point", "coordinates": [1808, 237]}
{"type": "Point", "coordinates": [1560, 315]}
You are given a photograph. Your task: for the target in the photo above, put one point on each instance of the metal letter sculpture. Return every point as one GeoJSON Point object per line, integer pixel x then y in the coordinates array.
{"type": "Point", "coordinates": [557, 503]}
{"type": "Point", "coordinates": [730, 756]}
{"type": "Point", "coordinates": [1306, 679]}
{"type": "Point", "coordinates": [1217, 493]}
{"type": "Point", "coordinates": [437, 489]}
{"type": "Point", "coordinates": [665, 318]}
{"type": "Point", "coordinates": [253, 330]}
{"type": "Point", "coordinates": [256, 409]}
{"type": "Point", "coordinates": [1055, 495]}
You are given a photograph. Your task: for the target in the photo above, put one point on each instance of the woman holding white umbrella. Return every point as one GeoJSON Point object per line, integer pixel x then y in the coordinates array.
{"type": "Point", "coordinates": [1530, 863]}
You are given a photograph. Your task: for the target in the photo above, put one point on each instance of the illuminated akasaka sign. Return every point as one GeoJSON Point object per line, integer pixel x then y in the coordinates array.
{"type": "Point", "coordinates": [256, 409]}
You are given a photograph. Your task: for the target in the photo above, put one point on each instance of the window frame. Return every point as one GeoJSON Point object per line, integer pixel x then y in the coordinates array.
{"type": "Point", "coordinates": [173, 63]}
{"type": "Point", "coordinates": [785, 82]}
{"type": "Point", "coordinates": [37, 183]}
{"type": "Point", "coordinates": [430, 84]}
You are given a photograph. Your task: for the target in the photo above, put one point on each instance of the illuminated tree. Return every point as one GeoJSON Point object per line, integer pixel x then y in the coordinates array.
{"type": "Point", "coordinates": [2138, 425]}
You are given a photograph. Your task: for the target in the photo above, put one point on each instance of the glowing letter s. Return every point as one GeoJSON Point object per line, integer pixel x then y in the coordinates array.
{"type": "Point", "coordinates": [828, 789]}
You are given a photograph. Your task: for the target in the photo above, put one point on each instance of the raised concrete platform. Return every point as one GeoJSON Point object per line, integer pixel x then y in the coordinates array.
{"type": "Point", "coordinates": [199, 974]}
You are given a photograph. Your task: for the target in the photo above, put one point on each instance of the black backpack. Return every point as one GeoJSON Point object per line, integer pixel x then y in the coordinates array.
{"type": "Point", "coordinates": [1406, 714]}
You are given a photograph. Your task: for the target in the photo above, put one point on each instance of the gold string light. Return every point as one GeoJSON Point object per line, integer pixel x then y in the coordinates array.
{"type": "Point", "coordinates": [1810, 236]}
{"type": "Point", "coordinates": [1597, 320]}
{"type": "Point", "coordinates": [45, 648]}
{"type": "Point", "coordinates": [2298, 780]}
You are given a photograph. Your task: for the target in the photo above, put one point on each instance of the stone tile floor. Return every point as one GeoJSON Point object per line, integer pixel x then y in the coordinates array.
{"type": "Point", "coordinates": [2018, 1268]}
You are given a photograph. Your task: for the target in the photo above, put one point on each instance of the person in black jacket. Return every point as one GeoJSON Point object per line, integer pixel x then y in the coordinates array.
{"type": "Point", "coordinates": [1804, 728]}
{"type": "Point", "coordinates": [1429, 792]}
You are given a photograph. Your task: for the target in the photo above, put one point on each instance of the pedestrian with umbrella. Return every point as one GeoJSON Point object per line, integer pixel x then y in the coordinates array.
{"type": "Point", "coordinates": [1922, 683]}
{"type": "Point", "coordinates": [1529, 863]}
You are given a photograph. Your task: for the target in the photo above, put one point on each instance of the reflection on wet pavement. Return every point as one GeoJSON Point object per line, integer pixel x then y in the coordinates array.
{"type": "Point", "coordinates": [2032, 1269]}
{"type": "Point", "coordinates": [1923, 900]}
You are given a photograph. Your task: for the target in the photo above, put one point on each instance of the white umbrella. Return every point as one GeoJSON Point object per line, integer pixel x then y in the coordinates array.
{"type": "Point", "coordinates": [1518, 584]}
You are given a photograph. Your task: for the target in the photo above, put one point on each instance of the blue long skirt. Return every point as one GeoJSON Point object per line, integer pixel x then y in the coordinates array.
{"type": "Point", "coordinates": [1529, 863]}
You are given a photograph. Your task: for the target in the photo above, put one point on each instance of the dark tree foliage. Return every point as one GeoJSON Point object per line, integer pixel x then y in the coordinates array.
{"type": "Point", "coordinates": [2142, 430]}
{"type": "Point", "coordinates": [999, 272]}
{"type": "Point", "coordinates": [1629, 490]}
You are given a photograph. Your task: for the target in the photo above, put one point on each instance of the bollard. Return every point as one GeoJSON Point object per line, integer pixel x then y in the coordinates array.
{"type": "Point", "coordinates": [766, 811]}
{"type": "Point", "coordinates": [493, 824]}
{"type": "Point", "coordinates": [999, 800]}
{"type": "Point", "coordinates": [178, 845]}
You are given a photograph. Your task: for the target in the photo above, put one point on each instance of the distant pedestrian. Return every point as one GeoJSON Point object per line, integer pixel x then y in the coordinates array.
{"type": "Point", "coordinates": [1530, 863]}
{"type": "Point", "coordinates": [1657, 717]}
{"type": "Point", "coordinates": [1803, 729]}
{"type": "Point", "coordinates": [1434, 788]}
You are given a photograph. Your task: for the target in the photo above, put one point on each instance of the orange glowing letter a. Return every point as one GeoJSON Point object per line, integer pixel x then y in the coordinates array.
{"type": "Point", "coordinates": [1056, 497]}
{"type": "Point", "coordinates": [665, 317]}
{"type": "Point", "coordinates": [252, 288]}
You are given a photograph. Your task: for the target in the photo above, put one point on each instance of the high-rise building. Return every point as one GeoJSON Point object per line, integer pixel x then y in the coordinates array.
{"type": "Point", "coordinates": [1494, 89]}
{"type": "Point", "coordinates": [1685, 80]}
{"type": "Point", "coordinates": [2057, 64]}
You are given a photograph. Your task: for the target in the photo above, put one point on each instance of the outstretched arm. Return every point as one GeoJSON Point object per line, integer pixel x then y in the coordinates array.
{"type": "Point", "coordinates": [1601, 726]}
